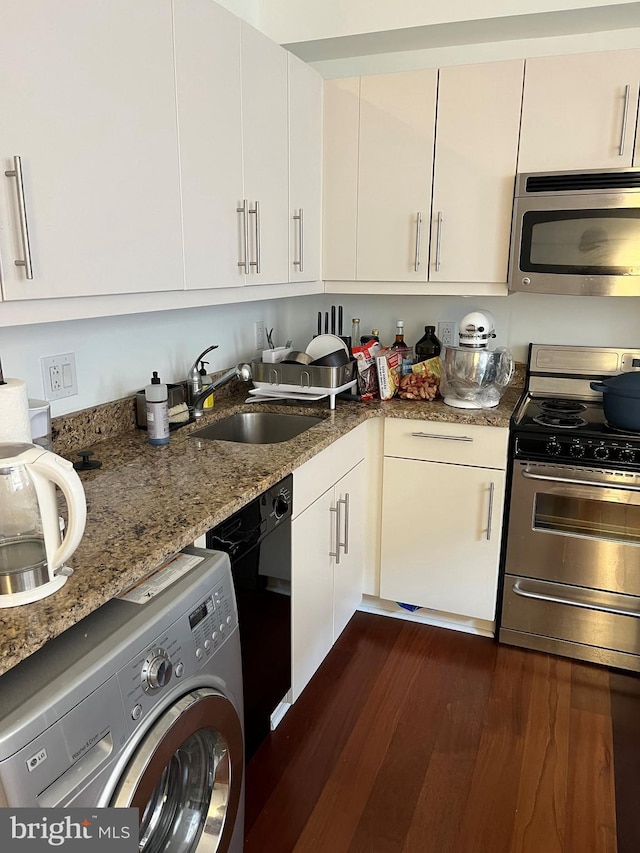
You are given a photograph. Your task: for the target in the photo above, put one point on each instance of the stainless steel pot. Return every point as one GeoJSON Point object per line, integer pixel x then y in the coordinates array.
{"type": "Point", "coordinates": [621, 400]}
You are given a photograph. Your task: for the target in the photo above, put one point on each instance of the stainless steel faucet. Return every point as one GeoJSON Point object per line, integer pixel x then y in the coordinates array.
{"type": "Point", "coordinates": [197, 394]}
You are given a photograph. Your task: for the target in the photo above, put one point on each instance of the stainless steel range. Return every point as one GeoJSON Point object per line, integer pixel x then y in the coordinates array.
{"type": "Point", "coordinates": [571, 554]}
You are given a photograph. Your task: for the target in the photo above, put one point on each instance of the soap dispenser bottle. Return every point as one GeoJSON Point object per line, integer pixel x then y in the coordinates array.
{"type": "Point", "coordinates": [157, 405]}
{"type": "Point", "coordinates": [206, 380]}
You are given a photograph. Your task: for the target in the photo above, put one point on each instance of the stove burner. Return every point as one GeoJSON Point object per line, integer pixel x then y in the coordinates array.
{"type": "Point", "coordinates": [562, 406]}
{"type": "Point", "coordinates": [560, 421]}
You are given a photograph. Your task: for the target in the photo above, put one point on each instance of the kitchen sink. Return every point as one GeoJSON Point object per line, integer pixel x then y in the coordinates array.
{"type": "Point", "coordinates": [257, 427]}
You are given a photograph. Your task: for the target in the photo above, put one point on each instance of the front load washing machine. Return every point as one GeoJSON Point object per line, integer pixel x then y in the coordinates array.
{"type": "Point", "coordinates": [138, 705]}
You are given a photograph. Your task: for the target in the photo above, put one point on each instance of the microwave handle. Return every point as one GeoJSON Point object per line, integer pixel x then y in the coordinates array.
{"type": "Point", "coordinates": [625, 113]}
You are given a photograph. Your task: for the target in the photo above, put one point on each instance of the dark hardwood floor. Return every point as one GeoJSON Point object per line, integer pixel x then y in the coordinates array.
{"type": "Point", "coordinates": [418, 739]}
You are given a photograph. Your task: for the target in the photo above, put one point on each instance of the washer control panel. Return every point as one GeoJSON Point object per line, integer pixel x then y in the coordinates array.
{"type": "Point", "coordinates": [179, 652]}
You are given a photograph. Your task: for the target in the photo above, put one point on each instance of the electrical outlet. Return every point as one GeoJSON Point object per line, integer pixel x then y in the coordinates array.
{"type": "Point", "coordinates": [59, 376]}
{"type": "Point", "coordinates": [260, 337]}
{"type": "Point", "coordinates": [448, 333]}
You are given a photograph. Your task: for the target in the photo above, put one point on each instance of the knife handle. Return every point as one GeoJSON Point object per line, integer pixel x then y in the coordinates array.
{"type": "Point", "coordinates": [319, 322]}
{"type": "Point", "coordinates": [326, 322]}
{"type": "Point", "coordinates": [333, 319]}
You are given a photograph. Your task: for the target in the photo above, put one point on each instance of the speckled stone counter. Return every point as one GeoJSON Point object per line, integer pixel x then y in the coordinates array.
{"type": "Point", "coordinates": [145, 503]}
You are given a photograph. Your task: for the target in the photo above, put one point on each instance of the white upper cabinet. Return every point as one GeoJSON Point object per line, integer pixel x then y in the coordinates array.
{"type": "Point", "coordinates": [305, 170]}
{"type": "Point", "coordinates": [579, 111]}
{"type": "Point", "coordinates": [384, 222]}
{"type": "Point", "coordinates": [88, 106]}
{"type": "Point", "coordinates": [207, 48]}
{"type": "Point", "coordinates": [475, 166]}
{"type": "Point", "coordinates": [265, 156]}
{"type": "Point", "coordinates": [397, 119]}
{"type": "Point", "coordinates": [340, 178]}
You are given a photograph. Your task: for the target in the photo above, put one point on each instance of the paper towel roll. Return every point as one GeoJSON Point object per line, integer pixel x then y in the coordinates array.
{"type": "Point", "coordinates": [14, 411]}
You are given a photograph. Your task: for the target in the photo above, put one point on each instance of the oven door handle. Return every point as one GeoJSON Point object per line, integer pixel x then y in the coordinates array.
{"type": "Point", "coordinates": [556, 599]}
{"type": "Point", "coordinates": [574, 481]}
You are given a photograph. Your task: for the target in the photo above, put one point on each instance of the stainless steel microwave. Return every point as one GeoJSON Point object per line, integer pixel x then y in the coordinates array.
{"type": "Point", "coordinates": [576, 233]}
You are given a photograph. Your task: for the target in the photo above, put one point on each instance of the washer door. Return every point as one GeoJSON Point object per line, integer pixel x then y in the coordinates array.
{"type": "Point", "coordinates": [186, 777]}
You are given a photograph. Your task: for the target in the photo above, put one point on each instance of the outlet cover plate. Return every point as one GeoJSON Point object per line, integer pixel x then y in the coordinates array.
{"type": "Point", "coordinates": [448, 333]}
{"type": "Point", "coordinates": [59, 377]}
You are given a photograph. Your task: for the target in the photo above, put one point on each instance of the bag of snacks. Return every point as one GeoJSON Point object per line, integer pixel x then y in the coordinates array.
{"type": "Point", "coordinates": [365, 356]}
{"type": "Point", "coordinates": [423, 383]}
{"type": "Point", "coordinates": [389, 367]}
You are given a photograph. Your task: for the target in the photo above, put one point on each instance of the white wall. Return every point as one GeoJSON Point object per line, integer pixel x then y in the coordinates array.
{"type": "Point", "coordinates": [521, 318]}
{"type": "Point", "coordinates": [115, 356]}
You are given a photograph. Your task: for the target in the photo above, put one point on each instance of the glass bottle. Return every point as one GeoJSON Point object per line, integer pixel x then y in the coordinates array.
{"type": "Point", "coordinates": [399, 342]}
{"type": "Point", "coordinates": [428, 346]}
{"type": "Point", "coordinates": [374, 336]}
{"type": "Point", "coordinates": [355, 332]}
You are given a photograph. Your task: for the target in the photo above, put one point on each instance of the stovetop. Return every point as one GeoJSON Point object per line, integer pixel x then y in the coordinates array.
{"type": "Point", "coordinates": [560, 419]}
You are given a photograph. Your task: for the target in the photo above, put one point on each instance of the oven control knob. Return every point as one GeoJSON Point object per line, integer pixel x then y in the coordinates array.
{"type": "Point", "coordinates": [526, 280]}
{"type": "Point", "coordinates": [626, 454]}
{"type": "Point", "coordinates": [553, 447]}
{"type": "Point", "coordinates": [280, 505]}
{"type": "Point", "coordinates": [156, 670]}
{"type": "Point", "coordinates": [576, 451]}
{"type": "Point", "coordinates": [601, 452]}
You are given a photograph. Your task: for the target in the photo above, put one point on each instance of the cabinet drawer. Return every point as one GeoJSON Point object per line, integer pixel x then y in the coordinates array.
{"type": "Point", "coordinates": [433, 441]}
{"type": "Point", "coordinates": [321, 472]}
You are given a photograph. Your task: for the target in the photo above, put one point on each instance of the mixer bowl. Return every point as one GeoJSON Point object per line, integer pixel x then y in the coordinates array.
{"type": "Point", "coordinates": [475, 378]}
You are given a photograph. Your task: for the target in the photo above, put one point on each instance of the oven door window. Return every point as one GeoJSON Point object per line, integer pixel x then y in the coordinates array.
{"type": "Point", "coordinates": [590, 518]}
{"type": "Point", "coordinates": [581, 242]}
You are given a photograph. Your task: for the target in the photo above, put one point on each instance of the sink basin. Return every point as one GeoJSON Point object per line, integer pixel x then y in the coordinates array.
{"type": "Point", "coordinates": [257, 427]}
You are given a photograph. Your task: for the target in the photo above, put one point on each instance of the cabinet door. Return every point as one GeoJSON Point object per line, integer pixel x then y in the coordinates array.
{"type": "Point", "coordinates": [474, 171]}
{"type": "Point", "coordinates": [88, 104]}
{"type": "Point", "coordinates": [207, 46]}
{"type": "Point", "coordinates": [397, 121]}
{"type": "Point", "coordinates": [305, 170]}
{"type": "Point", "coordinates": [341, 110]}
{"type": "Point", "coordinates": [265, 155]}
{"type": "Point", "coordinates": [312, 540]}
{"type": "Point", "coordinates": [350, 497]}
{"type": "Point", "coordinates": [441, 528]}
{"type": "Point", "coordinates": [573, 112]}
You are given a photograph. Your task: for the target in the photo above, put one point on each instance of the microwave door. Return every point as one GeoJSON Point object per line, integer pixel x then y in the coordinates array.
{"type": "Point", "coordinates": [583, 245]}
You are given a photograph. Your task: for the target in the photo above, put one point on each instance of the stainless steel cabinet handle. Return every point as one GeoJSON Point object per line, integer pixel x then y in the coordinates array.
{"type": "Point", "coordinates": [300, 218]}
{"type": "Point", "coordinates": [336, 553]}
{"type": "Point", "coordinates": [442, 437]}
{"type": "Point", "coordinates": [574, 481]}
{"type": "Point", "coordinates": [572, 603]}
{"type": "Point", "coordinates": [16, 173]}
{"type": "Point", "coordinates": [625, 114]}
{"type": "Point", "coordinates": [256, 212]}
{"type": "Point", "coordinates": [245, 234]}
{"type": "Point", "coordinates": [416, 264]}
{"type": "Point", "coordinates": [345, 502]}
{"type": "Point", "coordinates": [492, 489]}
{"type": "Point", "coordinates": [438, 241]}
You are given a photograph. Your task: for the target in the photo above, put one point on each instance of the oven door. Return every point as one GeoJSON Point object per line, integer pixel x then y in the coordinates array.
{"type": "Point", "coordinates": [575, 526]}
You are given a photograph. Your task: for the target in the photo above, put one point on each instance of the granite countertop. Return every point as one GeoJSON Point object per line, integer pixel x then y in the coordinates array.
{"type": "Point", "coordinates": [145, 503]}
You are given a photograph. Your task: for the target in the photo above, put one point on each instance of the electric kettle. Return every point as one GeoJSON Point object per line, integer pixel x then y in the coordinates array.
{"type": "Point", "coordinates": [32, 550]}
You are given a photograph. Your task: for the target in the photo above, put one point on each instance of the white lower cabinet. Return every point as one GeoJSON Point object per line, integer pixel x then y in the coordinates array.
{"type": "Point", "coordinates": [327, 558]}
{"type": "Point", "coordinates": [443, 495]}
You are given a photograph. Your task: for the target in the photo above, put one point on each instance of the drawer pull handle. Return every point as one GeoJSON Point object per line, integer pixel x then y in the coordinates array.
{"type": "Point", "coordinates": [442, 437]}
{"type": "Point", "coordinates": [556, 599]}
{"type": "Point", "coordinates": [416, 263]}
{"type": "Point", "coordinates": [336, 553]}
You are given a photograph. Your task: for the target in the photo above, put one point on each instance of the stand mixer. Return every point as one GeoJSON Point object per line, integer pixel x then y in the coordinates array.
{"type": "Point", "coordinates": [474, 377]}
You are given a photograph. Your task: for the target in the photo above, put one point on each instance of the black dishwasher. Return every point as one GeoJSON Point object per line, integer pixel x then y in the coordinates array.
{"type": "Point", "coordinates": [258, 541]}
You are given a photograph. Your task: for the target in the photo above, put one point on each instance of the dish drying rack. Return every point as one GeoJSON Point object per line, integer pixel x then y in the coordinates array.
{"type": "Point", "coordinates": [300, 381]}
